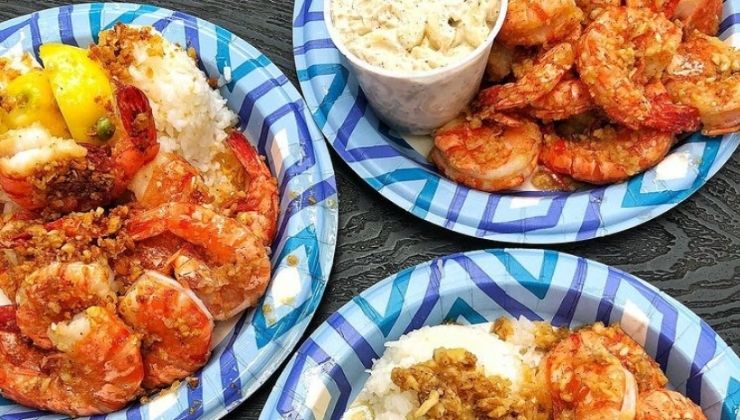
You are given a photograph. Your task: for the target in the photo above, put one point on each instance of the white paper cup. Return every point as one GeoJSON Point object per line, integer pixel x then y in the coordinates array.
{"type": "Point", "coordinates": [419, 102]}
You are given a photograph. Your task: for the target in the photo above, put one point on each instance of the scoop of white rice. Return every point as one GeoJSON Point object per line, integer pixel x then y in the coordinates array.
{"type": "Point", "coordinates": [191, 117]}
{"type": "Point", "coordinates": [380, 398]}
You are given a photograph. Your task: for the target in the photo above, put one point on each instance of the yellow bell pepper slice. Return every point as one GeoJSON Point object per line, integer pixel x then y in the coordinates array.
{"type": "Point", "coordinates": [81, 87]}
{"type": "Point", "coordinates": [28, 99]}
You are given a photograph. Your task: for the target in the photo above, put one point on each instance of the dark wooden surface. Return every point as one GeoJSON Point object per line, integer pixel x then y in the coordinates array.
{"type": "Point", "coordinates": [692, 252]}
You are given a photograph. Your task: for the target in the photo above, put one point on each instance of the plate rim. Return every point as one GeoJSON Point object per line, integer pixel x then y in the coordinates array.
{"type": "Point", "coordinates": [323, 166]}
{"type": "Point", "coordinates": [351, 308]}
{"type": "Point", "coordinates": [398, 194]}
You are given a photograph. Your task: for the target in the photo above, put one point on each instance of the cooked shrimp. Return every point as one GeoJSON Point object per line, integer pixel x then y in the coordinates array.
{"type": "Point", "coordinates": [705, 74]}
{"type": "Point", "coordinates": [41, 172]}
{"type": "Point", "coordinates": [172, 179]}
{"type": "Point", "coordinates": [96, 366]}
{"type": "Point", "coordinates": [662, 404]}
{"type": "Point", "coordinates": [499, 62]}
{"type": "Point", "coordinates": [586, 381]}
{"type": "Point", "coordinates": [537, 80]}
{"type": "Point", "coordinates": [169, 178]}
{"type": "Point", "coordinates": [621, 57]}
{"type": "Point", "coordinates": [58, 292]}
{"type": "Point", "coordinates": [667, 7]}
{"type": "Point", "coordinates": [256, 207]}
{"type": "Point", "coordinates": [592, 8]}
{"type": "Point", "coordinates": [702, 15]}
{"type": "Point", "coordinates": [567, 99]}
{"type": "Point", "coordinates": [149, 254]}
{"type": "Point", "coordinates": [175, 326]}
{"type": "Point", "coordinates": [227, 266]}
{"type": "Point", "coordinates": [536, 22]}
{"type": "Point", "coordinates": [546, 180]}
{"type": "Point", "coordinates": [646, 371]}
{"type": "Point", "coordinates": [489, 157]}
{"type": "Point", "coordinates": [606, 154]}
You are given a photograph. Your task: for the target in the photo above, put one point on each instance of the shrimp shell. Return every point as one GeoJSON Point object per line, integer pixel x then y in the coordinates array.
{"type": "Point", "coordinates": [490, 157]}
{"type": "Point", "coordinates": [538, 22]}
{"type": "Point", "coordinates": [536, 81]}
{"type": "Point", "coordinates": [176, 328]}
{"type": "Point", "coordinates": [95, 369]}
{"type": "Point", "coordinates": [621, 57]}
{"type": "Point", "coordinates": [663, 404]}
{"type": "Point", "coordinates": [605, 155]}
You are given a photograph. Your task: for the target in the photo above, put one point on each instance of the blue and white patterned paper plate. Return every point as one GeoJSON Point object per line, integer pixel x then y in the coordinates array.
{"type": "Point", "coordinates": [274, 116]}
{"type": "Point", "coordinates": [391, 166]}
{"type": "Point", "coordinates": [329, 369]}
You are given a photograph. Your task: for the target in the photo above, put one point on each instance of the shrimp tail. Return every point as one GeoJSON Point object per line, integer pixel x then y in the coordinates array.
{"type": "Point", "coordinates": [136, 116]}
{"type": "Point", "coordinates": [671, 117]}
{"type": "Point", "coordinates": [8, 321]}
{"type": "Point", "coordinates": [247, 155]}
{"type": "Point", "coordinates": [148, 224]}
{"type": "Point", "coordinates": [18, 191]}
{"type": "Point", "coordinates": [139, 143]}
{"type": "Point", "coordinates": [261, 195]}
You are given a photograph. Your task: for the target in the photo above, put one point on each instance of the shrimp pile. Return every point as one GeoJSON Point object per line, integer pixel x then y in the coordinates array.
{"type": "Point", "coordinates": [598, 372]}
{"type": "Point", "coordinates": [592, 91]}
{"type": "Point", "coordinates": [117, 256]}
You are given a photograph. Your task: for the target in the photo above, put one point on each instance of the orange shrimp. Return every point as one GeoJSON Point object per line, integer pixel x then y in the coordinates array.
{"type": "Point", "coordinates": [137, 144]}
{"type": "Point", "coordinates": [621, 58]}
{"type": "Point", "coordinates": [499, 62]}
{"type": "Point", "coordinates": [586, 381]}
{"type": "Point", "coordinates": [592, 8]}
{"type": "Point", "coordinates": [633, 357]}
{"type": "Point", "coordinates": [96, 366]}
{"type": "Point", "coordinates": [258, 206]}
{"type": "Point", "coordinates": [537, 80]}
{"type": "Point", "coordinates": [172, 179]}
{"type": "Point", "coordinates": [568, 98]}
{"type": "Point", "coordinates": [226, 265]}
{"type": "Point", "coordinates": [605, 154]}
{"type": "Point", "coordinates": [41, 172]}
{"type": "Point", "coordinates": [58, 292]}
{"type": "Point", "coordinates": [667, 7]}
{"type": "Point", "coordinates": [490, 157]}
{"type": "Point", "coordinates": [169, 178]}
{"type": "Point", "coordinates": [537, 22]}
{"type": "Point", "coordinates": [176, 328]}
{"type": "Point", "coordinates": [662, 404]}
{"type": "Point", "coordinates": [702, 15]}
{"type": "Point", "coordinates": [705, 74]}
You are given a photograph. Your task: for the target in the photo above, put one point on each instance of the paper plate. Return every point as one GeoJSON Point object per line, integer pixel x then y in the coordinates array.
{"type": "Point", "coordinates": [329, 369]}
{"type": "Point", "coordinates": [275, 118]}
{"type": "Point", "coordinates": [403, 175]}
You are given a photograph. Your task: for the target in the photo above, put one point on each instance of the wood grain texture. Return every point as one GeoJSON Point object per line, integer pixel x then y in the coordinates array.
{"type": "Point", "coordinates": [692, 252]}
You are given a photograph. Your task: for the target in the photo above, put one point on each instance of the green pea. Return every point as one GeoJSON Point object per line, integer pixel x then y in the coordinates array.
{"type": "Point", "coordinates": [104, 128]}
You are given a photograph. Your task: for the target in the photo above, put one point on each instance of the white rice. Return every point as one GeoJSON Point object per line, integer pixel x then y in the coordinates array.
{"type": "Point", "coordinates": [191, 117]}
{"type": "Point", "coordinates": [380, 398]}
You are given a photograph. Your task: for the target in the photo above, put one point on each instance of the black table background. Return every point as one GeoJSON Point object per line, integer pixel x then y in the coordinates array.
{"type": "Point", "coordinates": [692, 252]}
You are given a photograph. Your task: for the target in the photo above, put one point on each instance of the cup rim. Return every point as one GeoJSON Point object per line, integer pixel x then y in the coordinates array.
{"type": "Point", "coordinates": [396, 74]}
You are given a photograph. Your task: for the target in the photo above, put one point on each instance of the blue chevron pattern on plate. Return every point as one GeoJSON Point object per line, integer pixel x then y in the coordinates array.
{"type": "Point", "coordinates": [275, 117]}
{"type": "Point", "coordinates": [329, 369]}
{"type": "Point", "coordinates": [402, 175]}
